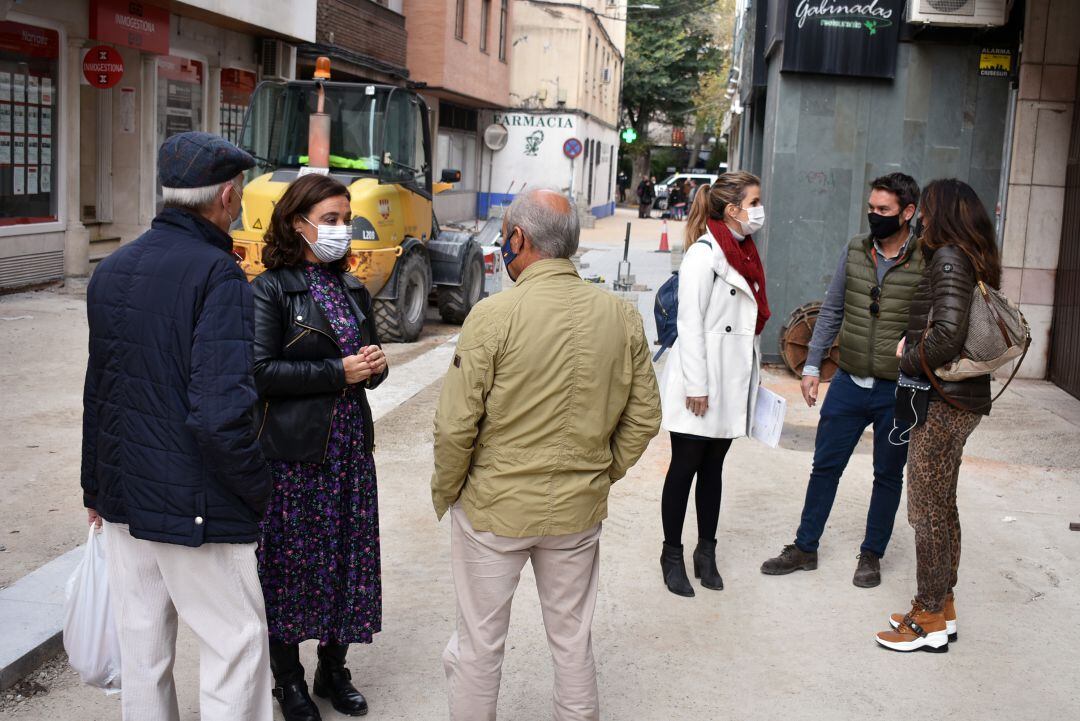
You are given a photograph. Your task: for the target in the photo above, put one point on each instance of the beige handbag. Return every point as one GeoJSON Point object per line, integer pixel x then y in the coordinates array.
{"type": "Point", "coordinates": [997, 334]}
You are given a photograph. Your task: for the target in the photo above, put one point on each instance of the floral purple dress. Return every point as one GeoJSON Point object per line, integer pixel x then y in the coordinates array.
{"type": "Point", "coordinates": [319, 552]}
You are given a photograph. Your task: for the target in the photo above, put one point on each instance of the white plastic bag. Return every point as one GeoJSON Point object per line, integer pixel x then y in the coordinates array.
{"type": "Point", "coordinates": [90, 638]}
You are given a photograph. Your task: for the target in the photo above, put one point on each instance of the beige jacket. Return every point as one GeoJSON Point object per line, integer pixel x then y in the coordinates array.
{"type": "Point", "coordinates": [550, 398]}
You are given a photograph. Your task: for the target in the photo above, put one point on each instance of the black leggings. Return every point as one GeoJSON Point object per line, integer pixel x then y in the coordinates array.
{"type": "Point", "coordinates": [704, 457]}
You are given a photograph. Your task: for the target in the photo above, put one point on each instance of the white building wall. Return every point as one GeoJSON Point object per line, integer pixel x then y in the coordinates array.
{"type": "Point", "coordinates": [533, 157]}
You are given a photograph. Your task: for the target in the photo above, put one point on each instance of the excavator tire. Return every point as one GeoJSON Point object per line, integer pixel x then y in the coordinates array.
{"type": "Point", "coordinates": [400, 319]}
{"type": "Point", "coordinates": [456, 301]}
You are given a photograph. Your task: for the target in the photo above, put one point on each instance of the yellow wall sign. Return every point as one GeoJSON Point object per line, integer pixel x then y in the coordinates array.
{"type": "Point", "coordinates": [995, 62]}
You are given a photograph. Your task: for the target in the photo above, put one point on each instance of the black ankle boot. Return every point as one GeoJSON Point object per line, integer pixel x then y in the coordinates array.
{"type": "Point", "coordinates": [334, 681]}
{"type": "Point", "coordinates": [674, 570]}
{"type": "Point", "coordinates": [295, 703]}
{"type": "Point", "coordinates": [705, 565]}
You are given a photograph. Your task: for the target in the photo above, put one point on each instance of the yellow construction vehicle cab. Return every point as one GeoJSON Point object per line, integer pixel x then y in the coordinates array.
{"type": "Point", "coordinates": [376, 140]}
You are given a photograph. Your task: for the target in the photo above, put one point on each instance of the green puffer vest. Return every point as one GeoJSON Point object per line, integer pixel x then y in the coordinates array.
{"type": "Point", "coordinates": [868, 344]}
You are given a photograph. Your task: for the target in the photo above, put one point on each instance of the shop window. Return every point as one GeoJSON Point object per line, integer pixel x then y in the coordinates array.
{"type": "Point", "coordinates": [29, 81]}
{"type": "Point", "coordinates": [179, 99]}
{"type": "Point", "coordinates": [236, 89]}
{"type": "Point", "coordinates": [458, 151]}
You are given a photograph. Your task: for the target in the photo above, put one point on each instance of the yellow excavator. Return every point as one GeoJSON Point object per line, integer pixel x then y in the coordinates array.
{"type": "Point", "coordinates": [376, 139]}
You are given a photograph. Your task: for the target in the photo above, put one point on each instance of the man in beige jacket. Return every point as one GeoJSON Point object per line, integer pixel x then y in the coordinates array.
{"type": "Point", "coordinates": [550, 398]}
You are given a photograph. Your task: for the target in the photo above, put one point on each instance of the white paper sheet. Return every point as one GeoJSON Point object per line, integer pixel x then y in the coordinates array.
{"type": "Point", "coordinates": [5, 87]}
{"type": "Point", "coordinates": [31, 151]}
{"type": "Point", "coordinates": [46, 91]}
{"type": "Point", "coordinates": [46, 179]}
{"type": "Point", "coordinates": [19, 144]}
{"type": "Point", "coordinates": [5, 150]}
{"type": "Point", "coordinates": [20, 188]}
{"type": "Point", "coordinates": [20, 88]}
{"type": "Point", "coordinates": [46, 151]}
{"type": "Point", "coordinates": [32, 119]}
{"type": "Point", "coordinates": [768, 417]}
{"type": "Point", "coordinates": [46, 121]}
{"type": "Point", "coordinates": [5, 118]}
{"type": "Point", "coordinates": [20, 118]}
{"type": "Point", "coordinates": [32, 180]}
{"type": "Point", "coordinates": [33, 90]}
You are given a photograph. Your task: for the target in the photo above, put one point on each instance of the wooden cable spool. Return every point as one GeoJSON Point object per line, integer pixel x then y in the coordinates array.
{"type": "Point", "coordinates": [795, 341]}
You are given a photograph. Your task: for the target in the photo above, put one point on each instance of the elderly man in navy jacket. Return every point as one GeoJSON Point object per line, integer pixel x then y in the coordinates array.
{"type": "Point", "coordinates": [171, 461]}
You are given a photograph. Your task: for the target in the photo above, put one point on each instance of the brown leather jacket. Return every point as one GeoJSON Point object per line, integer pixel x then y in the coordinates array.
{"type": "Point", "coordinates": [945, 293]}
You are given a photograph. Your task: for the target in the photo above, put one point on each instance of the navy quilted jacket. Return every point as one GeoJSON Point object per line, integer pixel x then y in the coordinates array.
{"type": "Point", "coordinates": [169, 447]}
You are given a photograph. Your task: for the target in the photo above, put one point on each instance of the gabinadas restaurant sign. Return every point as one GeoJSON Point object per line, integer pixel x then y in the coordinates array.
{"type": "Point", "coordinates": [842, 37]}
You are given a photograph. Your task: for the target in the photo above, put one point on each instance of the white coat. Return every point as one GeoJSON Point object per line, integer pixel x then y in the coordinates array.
{"type": "Point", "coordinates": [717, 353]}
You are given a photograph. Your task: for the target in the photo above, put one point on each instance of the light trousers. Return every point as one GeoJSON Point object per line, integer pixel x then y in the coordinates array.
{"type": "Point", "coordinates": [486, 570]}
{"type": "Point", "coordinates": [215, 589]}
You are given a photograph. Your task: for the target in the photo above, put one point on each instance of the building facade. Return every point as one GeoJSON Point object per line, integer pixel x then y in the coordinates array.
{"type": "Point", "coordinates": [364, 39]}
{"type": "Point", "coordinates": [459, 59]}
{"type": "Point", "coordinates": [986, 95]}
{"type": "Point", "coordinates": [79, 130]}
{"type": "Point", "coordinates": [561, 124]}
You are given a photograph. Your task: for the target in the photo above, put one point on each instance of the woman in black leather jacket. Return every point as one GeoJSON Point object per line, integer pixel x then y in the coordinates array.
{"type": "Point", "coordinates": [316, 351]}
{"type": "Point", "coordinates": [961, 249]}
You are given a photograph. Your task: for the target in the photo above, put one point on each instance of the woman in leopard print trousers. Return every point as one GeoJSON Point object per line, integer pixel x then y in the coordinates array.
{"type": "Point", "coordinates": [959, 243]}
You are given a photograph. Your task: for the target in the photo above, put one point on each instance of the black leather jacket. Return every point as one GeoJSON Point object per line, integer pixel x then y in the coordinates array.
{"type": "Point", "coordinates": [946, 287]}
{"type": "Point", "coordinates": [298, 369]}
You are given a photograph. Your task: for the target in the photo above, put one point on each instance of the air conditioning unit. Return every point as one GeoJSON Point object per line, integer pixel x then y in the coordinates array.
{"type": "Point", "coordinates": [959, 13]}
{"type": "Point", "coordinates": [278, 60]}
{"type": "Point", "coordinates": [605, 75]}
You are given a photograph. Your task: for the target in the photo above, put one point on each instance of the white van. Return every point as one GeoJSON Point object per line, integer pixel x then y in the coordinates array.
{"type": "Point", "coordinates": [663, 188]}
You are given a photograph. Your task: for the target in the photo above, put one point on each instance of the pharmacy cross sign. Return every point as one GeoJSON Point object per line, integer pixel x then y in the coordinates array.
{"type": "Point", "coordinates": [103, 66]}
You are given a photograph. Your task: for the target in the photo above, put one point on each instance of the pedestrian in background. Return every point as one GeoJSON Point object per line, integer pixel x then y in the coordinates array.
{"type": "Point", "coordinates": [711, 378]}
{"type": "Point", "coordinates": [316, 351]}
{"type": "Point", "coordinates": [675, 200]}
{"type": "Point", "coordinates": [646, 193]}
{"type": "Point", "coordinates": [867, 305]}
{"type": "Point", "coordinates": [961, 250]}
{"type": "Point", "coordinates": [170, 456]}
{"type": "Point", "coordinates": [549, 400]}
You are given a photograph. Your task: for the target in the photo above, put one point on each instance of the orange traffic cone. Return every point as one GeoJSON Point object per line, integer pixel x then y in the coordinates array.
{"type": "Point", "coordinates": [663, 240]}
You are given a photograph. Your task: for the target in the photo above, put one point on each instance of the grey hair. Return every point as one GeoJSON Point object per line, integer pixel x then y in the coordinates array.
{"type": "Point", "coordinates": [553, 233]}
{"type": "Point", "coordinates": [193, 198]}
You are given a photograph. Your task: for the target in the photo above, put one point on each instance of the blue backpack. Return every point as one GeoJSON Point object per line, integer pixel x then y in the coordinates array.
{"type": "Point", "coordinates": [666, 311]}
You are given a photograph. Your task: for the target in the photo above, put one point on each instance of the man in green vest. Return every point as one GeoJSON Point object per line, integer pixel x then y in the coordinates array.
{"type": "Point", "coordinates": [867, 306]}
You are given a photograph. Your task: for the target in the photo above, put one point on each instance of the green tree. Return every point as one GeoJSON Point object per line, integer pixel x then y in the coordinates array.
{"type": "Point", "coordinates": [667, 52]}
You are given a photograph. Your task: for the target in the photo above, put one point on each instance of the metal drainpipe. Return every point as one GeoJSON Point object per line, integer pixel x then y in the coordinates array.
{"type": "Point", "coordinates": [1006, 167]}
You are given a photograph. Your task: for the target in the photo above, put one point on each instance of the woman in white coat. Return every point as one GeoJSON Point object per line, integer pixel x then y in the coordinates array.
{"type": "Point", "coordinates": [710, 381]}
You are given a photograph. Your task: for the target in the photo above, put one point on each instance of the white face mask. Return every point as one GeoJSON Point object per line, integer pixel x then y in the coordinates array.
{"type": "Point", "coordinates": [755, 220]}
{"type": "Point", "coordinates": [331, 242]}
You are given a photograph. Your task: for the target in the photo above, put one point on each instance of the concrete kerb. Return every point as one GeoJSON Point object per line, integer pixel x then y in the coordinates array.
{"type": "Point", "coordinates": [32, 618]}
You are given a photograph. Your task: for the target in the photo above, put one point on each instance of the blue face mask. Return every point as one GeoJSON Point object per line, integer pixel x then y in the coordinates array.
{"type": "Point", "coordinates": [508, 254]}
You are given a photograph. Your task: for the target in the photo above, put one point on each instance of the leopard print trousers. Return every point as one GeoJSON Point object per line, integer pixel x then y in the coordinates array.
{"type": "Point", "coordinates": [934, 457]}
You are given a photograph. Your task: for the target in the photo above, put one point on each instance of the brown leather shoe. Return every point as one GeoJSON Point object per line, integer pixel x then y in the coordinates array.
{"type": "Point", "coordinates": [919, 630]}
{"type": "Point", "coordinates": [791, 559]}
{"type": "Point", "coordinates": [948, 608]}
{"type": "Point", "coordinates": [868, 572]}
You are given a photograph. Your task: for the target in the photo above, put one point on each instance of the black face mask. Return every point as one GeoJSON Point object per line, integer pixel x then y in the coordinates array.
{"type": "Point", "coordinates": [882, 226]}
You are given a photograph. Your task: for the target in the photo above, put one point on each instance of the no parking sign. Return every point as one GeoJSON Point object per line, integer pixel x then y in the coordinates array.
{"type": "Point", "coordinates": [572, 148]}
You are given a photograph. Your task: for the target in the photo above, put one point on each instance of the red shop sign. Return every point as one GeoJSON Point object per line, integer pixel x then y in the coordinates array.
{"type": "Point", "coordinates": [132, 24]}
{"type": "Point", "coordinates": [102, 66]}
{"type": "Point", "coordinates": [28, 40]}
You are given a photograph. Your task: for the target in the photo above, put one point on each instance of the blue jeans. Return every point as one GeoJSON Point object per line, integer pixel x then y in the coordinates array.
{"type": "Point", "coordinates": [845, 414]}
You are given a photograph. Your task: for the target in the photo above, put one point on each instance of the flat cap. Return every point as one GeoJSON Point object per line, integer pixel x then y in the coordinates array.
{"type": "Point", "coordinates": [199, 160]}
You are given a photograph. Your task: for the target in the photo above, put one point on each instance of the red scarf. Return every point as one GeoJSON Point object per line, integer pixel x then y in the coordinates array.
{"type": "Point", "coordinates": [743, 257]}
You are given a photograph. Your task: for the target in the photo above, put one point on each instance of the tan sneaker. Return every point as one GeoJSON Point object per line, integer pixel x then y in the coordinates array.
{"type": "Point", "coordinates": [919, 630]}
{"type": "Point", "coordinates": [949, 609]}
